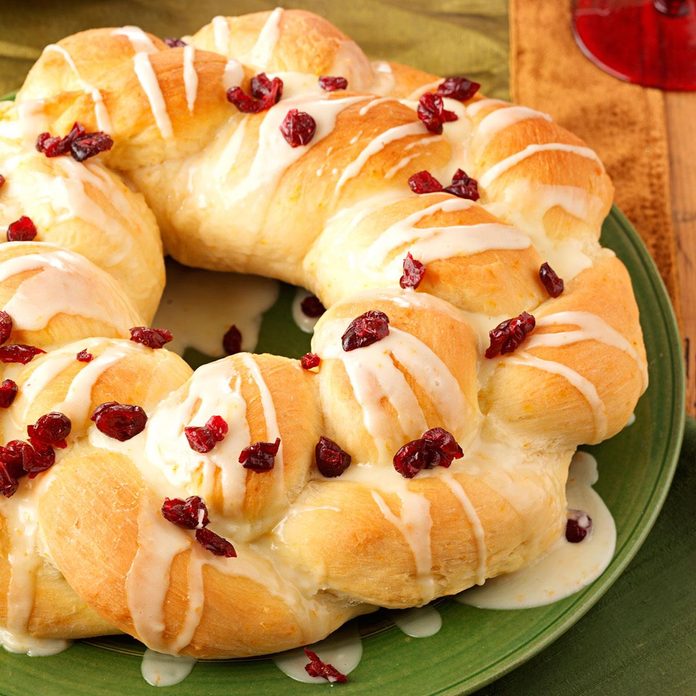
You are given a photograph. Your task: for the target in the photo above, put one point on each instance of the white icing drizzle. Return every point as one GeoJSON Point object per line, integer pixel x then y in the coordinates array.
{"type": "Point", "coordinates": [343, 649]}
{"type": "Point", "coordinates": [566, 568]}
{"type": "Point", "coordinates": [415, 524]}
{"type": "Point", "coordinates": [32, 118]}
{"type": "Point", "coordinates": [303, 322]}
{"type": "Point", "coordinates": [33, 647]}
{"type": "Point", "coordinates": [60, 287]}
{"type": "Point", "coordinates": [420, 91]}
{"type": "Point", "coordinates": [432, 243]}
{"type": "Point", "coordinates": [375, 102]}
{"type": "Point", "coordinates": [375, 378]}
{"type": "Point", "coordinates": [493, 172]}
{"type": "Point", "coordinates": [590, 327]}
{"type": "Point", "coordinates": [500, 119]}
{"type": "Point", "coordinates": [151, 86]}
{"type": "Point", "coordinates": [221, 32]}
{"type": "Point", "coordinates": [139, 40]}
{"type": "Point", "coordinates": [384, 81]}
{"type": "Point", "coordinates": [474, 520]}
{"type": "Point", "coordinates": [233, 74]}
{"type": "Point", "coordinates": [582, 384]}
{"type": "Point", "coordinates": [377, 145]}
{"type": "Point", "coordinates": [473, 109]}
{"type": "Point", "coordinates": [190, 77]}
{"type": "Point", "coordinates": [159, 669]}
{"type": "Point", "coordinates": [421, 622]}
{"type": "Point", "coordinates": [262, 51]}
{"type": "Point", "coordinates": [100, 110]}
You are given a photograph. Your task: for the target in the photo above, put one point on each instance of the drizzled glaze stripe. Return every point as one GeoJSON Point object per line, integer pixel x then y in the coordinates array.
{"type": "Point", "coordinates": [148, 81]}
{"type": "Point", "coordinates": [190, 76]}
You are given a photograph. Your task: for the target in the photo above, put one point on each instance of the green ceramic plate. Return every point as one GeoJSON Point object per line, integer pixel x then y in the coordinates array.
{"type": "Point", "coordinates": [474, 646]}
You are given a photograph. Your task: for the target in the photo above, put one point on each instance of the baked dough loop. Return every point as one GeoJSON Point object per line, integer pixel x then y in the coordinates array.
{"type": "Point", "coordinates": [84, 548]}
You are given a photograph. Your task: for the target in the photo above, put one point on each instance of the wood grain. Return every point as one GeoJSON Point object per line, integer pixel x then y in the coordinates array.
{"type": "Point", "coordinates": [680, 113]}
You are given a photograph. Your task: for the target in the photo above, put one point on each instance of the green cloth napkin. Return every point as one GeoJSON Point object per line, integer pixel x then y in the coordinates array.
{"type": "Point", "coordinates": [639, 639]}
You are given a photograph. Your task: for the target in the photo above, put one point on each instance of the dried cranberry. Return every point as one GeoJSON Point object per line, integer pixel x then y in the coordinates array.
{"type": "Point", "coordinates": [436, 447]}
{"type": "Point", "coordinates": [260, 456]}
{"type": "Point", "coordinates": [463, 186]}
{"type": "Point", "coordinates": [318, 668]}
{"type": "Point", "coordinates": [8, 392]}
{"type": "Point", "coordinates": [218, 427]}
{"type": "Point", "coordinates": [18, 353]}
{"type": "Point", "coordinates": [312, 307]}
{"type": "Point", "coordinates": [17, 456]}
{"type": "Point", "coordinates": [78, 143]}
{"type": "Point", "coordinates": [203, 438]}
{"type": "Point", "coordinates": [232, 341]}
{"type": "Point", "coordinates": [22, 230]}
{"type": "Point", "coordinates": [432, 112]}
{"type": "Point", "coordinates": [174, 42]}
{"type": "Point", "coordinates": [329, 83]}
{"type": "Point", "coordinates": [550, 280]}
{"type": "Point", "coordinates": [509, 334]}
{"type": "Point", "coordinates": [424, 182]}
{"type": "Point", "coordinates": [310, 361]}
{"type": "Point", "coordinates": [459, 88]}
{"type": "Point", "coordinates": [215, 543]}
{"type": "Point", "coordinates": [413, 273]}
{"type": "Point", "coordinates": [264, 94]}
{"type": "Point", "coordinates": [84, 356]}
{"type": "Point", "coordinates": [191, 513]}
{"type": "Point", "coordinates": [2, 180]}
{"type": "Point", "coordinates": [152, 338]}
{"type": "Point", "coordinates": [578, 526]}
{"type": "Point", "coordinates": [43, 458]}
{"type": "Point", "coordinates": [50, 429]}
{"type": "Point", "coordinates": [331, 460]}
{"type": "Point", "coordinates": [5, 326]}
{"type": "Point", "coordinates": [120, 421]}
{"type": "Point", "coordinates": [365, 330]}
{"type": "Point", "coordinates": [298, 127]}
{"type": "Point", "coordinates": [8, 483]}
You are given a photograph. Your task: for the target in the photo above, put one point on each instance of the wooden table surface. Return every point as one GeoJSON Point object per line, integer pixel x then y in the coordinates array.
{"type": "Point", "coordinates": [680, 110]}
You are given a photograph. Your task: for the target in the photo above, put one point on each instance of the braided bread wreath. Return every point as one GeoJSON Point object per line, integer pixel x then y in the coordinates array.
{"type": "Point", "coordinates": [354, 493]}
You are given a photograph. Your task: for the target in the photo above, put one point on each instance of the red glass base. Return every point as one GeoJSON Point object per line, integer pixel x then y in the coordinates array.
{"type": "Point", "coordinates": [634, 41]}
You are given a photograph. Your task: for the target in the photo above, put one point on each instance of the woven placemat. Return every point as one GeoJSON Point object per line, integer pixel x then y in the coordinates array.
{"type": "Point", "coordinates": [624, 123]}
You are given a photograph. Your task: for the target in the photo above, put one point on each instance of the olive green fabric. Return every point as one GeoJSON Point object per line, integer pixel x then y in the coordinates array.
{"type": "Point", "coordinates": [639, 639]}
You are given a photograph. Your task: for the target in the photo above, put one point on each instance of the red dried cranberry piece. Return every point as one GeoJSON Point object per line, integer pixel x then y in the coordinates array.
{"type": "Point", "coordinates": [413, 273]}
{"type": "Point", "coordinates": [8, 483]}
{"type": "Point", "coordinates": [174, 42]}
{"type": "Point", "coordinates": [509, 334]}
{"type": "Point", "coordinates": [432, 112]}
{"type": "Point", "coordinates": [463, 186]}
{"type": "Point", "coordinates": [550, 280]}
{"type": "Point", "coordinates": [260, 456]}
{"type": "Point", "coordinates": [329, 83]}
{"type": "Point", "coordinates": [368, 328]}
{"type": "Point", "coordinates": [120, 421]}
{"type": "Point", "coordinates": [318, 668]}
{"type": "Point", "coordinates": [55, 146]}
{"type": "Point", "coordinates": [232, 341]}
{"type": "Point", "coordinates": [18, 353]}
{"type": "Point", "coordinates": [17, 457]}
{"type": "Point", "coordinates": [215, 543]}
{"type": "Point", "coordinates": [84, 356]}
{"type": "Point", "coordinates": [218, 427]}
{"type": "Point", "coordinates": [22, 230]}
{"type": "Point", "coordinates": [50, 429]}
{"type": "Point", "coordinates": [43, 458]}
{"type": "Point", "coordinates": [89, 145]}
{"type": "Point", "coordinates": [459, 88]}
{"type": "Point", "coordinates": [310, 361]}
{"type": "Point", "coordinates": [331, 460]}
{"type": "Point", "coordinates": [5, 326]}
{"type": "Point", "coordinates": [437, 447]}
{"type": "Point", "coordinates": [298, 127]}
{"type": "Point", "coordinates": [200, 439]}
{"type": "Point", "coordinates": [424, 182]}
{"type": "Point", "coordinates": [152, 338]}
{"type": "Point", "coordinates": [191, 513]}
{"type": "Point", "coordinates": [264, 94]}
{"type": "Point", "coordinates": [578, 526]}
{"type": "Point", "coordinates": [2, 180]}
{"type": "Point", "coordinates": [312, 307]}
{"type": "Point", "coordinates": [8, 392]}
